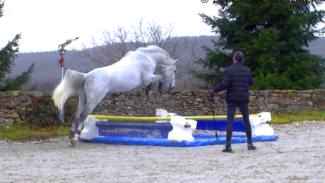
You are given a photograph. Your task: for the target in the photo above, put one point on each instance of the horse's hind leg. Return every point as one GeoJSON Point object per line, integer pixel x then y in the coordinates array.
{"type": "Point", "coordinates": [92, 101]}
{"type": "Point", "coordinates": [88, 110]}
{"type": "Point", "coordinates": [77, 114]}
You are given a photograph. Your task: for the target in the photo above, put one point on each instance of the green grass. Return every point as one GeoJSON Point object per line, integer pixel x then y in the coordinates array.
{"type": "Point", "coordinates": [296, 116]}
{"type": "Point", "coordinates": [18, 132]}
{"type": "Point", "coordinates": [23, 132]}
{"type": "Point", "coordinates": [18, 91]}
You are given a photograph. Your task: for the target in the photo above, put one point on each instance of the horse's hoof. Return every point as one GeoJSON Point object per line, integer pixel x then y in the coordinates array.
{"type": "Point", "coordinates": [74, 140]}
{"type": "Point", "coordinates": [72, 143]}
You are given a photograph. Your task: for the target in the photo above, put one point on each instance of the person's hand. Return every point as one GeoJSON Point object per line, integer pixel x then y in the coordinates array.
{"type": "Point", "coordinates": [211, 92]}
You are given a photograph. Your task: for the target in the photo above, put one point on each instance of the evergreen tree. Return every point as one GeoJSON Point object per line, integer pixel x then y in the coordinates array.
{"type": "Point", "coordinates": [273, 36]}
{"type": "Point", "coordinates": [7, 57]}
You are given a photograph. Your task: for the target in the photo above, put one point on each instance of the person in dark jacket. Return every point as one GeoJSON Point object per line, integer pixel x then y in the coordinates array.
{"type": "Point", "coordinates": [236, 79]}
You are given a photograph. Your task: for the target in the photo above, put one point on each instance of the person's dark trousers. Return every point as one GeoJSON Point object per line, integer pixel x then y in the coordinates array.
{"type": "Point", "coordinates": [231, 110]}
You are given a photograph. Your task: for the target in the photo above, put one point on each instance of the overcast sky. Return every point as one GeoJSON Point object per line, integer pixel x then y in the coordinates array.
{"type": "Point", "coordinates": [45, 24]}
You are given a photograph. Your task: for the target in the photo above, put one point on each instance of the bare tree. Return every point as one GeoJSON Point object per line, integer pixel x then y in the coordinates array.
{"type": "Point", "coordinates": [113, 45]}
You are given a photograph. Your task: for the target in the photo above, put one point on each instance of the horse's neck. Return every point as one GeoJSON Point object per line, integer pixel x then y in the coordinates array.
{"type": "Point", "coordinates": [160, 59]}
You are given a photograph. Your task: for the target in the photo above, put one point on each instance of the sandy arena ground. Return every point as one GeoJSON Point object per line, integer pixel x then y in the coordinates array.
{"type": "Point", "coordinates": [302, 160]}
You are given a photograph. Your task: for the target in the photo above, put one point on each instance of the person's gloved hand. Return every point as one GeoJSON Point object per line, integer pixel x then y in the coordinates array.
{"type": "Point", "coordinates": [211, 92]}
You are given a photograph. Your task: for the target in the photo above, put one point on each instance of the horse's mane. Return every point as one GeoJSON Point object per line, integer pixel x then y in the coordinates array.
{"type": "Point", "coordinates": [150, 49]}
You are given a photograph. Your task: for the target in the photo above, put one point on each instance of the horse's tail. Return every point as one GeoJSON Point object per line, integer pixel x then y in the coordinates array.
{"type": "Point", "coordinates": [72, 83]}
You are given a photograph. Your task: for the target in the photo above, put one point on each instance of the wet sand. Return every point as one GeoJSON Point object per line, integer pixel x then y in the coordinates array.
{"type": "Point", "coordinates": [302, 159]}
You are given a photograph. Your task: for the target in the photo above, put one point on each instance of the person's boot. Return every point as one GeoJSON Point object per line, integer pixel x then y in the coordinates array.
{"type": "Point", "coordinates": [228, 149]}
{"type": "Point", "coordinates": [251, 147]}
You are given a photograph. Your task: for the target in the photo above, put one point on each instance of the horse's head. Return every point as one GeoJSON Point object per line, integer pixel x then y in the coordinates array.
{"type": "Point", "coordinates": [168, 73]}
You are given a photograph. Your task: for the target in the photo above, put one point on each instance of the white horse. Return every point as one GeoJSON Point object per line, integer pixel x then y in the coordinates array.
{"type": "Point", "coordinates": [136, 68]}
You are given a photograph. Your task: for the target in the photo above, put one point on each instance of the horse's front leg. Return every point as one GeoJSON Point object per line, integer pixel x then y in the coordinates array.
{"type": "Point", "coordinates": [151, 79]}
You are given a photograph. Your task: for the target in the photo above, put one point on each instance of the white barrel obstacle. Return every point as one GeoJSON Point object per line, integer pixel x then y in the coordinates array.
{"type": "Point", "coordinates": [168, 126]}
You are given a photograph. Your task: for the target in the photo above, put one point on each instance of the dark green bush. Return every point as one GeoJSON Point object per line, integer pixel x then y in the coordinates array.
{"type": "Point", "coordinates": [45, 114]}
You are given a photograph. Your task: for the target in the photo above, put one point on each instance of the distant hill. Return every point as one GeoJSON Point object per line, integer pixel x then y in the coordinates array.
{"type": "Point", "coordinates": [47, 72]}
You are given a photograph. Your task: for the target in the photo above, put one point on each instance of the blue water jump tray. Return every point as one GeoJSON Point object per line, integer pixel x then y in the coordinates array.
{"type": "Point", "coordinates": [199, 140]}
{"type": "Point", "coordinates": [156, 134]}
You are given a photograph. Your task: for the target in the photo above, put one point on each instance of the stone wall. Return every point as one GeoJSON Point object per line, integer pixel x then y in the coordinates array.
{"type": "Point", "coordinates": [17, 107]}
{"type": "Point", "coordinates": [196, 102]}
